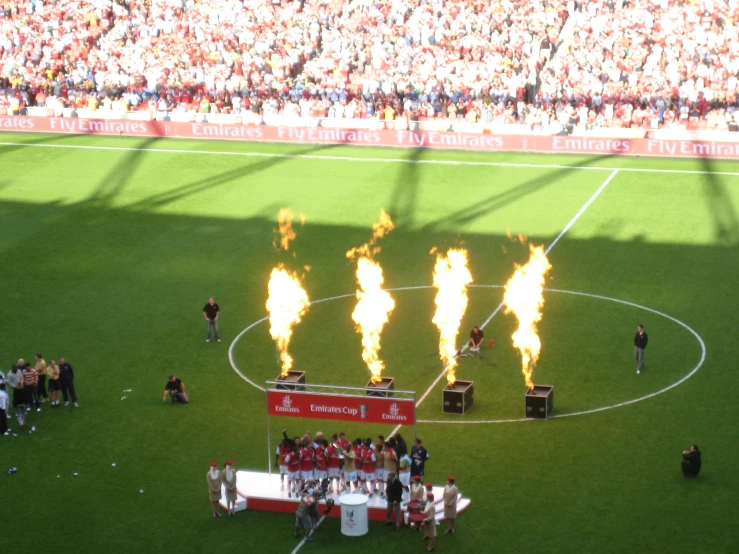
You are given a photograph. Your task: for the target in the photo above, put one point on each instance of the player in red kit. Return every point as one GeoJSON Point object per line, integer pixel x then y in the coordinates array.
{"type": "Point", "coordinates": [334, 464]}
{"type": "Point", "coordinates": [284, 448]}
{"type": "Point", "coordinates": [292, 460]}
{"type": "Point", "coordinates": [306, 462]}
{"type": "Point", "coordinates": [359, 462]}
{"type": "Point", "coordinates": [368, 466]}
{"type": "Point", "coordinates": [320, 461]}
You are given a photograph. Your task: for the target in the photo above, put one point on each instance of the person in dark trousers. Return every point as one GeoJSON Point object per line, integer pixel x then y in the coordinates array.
{"type": "Point", "coordinates": [640, 343]}
{"type": "Point", "coordinates": [211, 312]}
{"type": "Point", "coordinates": [175, 388]}
{"type": "Point", "coordinates": [30, 383]}
{"type": "Point", "coordinates": [401, 447]}
{"type": "Point", "coordinates": [394, 495]}
{"type": "Point", "coordinates": [66, 382]}
{"type": "Point", "coordinates": [691, 464]}
{"type": "Point", "coordinates": [476, 336]}
{"type": "Point", "coordinates": [4, 407]}
{"type": "Point", "coordinates": [41, 371]}
{"type": "Point", "coordinates": [420, 455]}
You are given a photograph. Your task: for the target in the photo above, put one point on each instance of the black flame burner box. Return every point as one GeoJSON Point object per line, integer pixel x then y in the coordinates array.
{"type": "Point", "coordinates": [458, 398]}
{"type": "Point", "coordinates": [539, 401]}
{"type": "Point", "coordinates": [382, 388]}
{"type": "Point", "coordinates": [294, 380]}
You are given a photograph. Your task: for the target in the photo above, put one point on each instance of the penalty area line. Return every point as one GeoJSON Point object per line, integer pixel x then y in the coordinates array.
{"type": "Point", "coordinates": [500, 306]}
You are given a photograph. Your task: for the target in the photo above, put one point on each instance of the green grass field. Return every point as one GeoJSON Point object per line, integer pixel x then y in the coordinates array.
{"type": "Point", "coordinates": [108, 255]}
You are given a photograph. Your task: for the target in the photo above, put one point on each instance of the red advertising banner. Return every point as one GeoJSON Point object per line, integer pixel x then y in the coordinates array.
{"type": "Point", "coordinates": [366, 409]}
{"type": "Point", "coordinates": [363, 137]}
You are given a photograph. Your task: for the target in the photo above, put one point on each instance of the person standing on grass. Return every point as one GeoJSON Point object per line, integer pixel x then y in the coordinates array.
{"type": "Point", "coordinates": [66, 382]}
{"type": "Point", "coordinates": [211, 312]}
{"type": "Point", "coordinates": [214, 487]}
{"type": "Point", "coordinates": [640, 344]}
{"type": "Point", "coordinates": [15, 380]}
{"type": "Point", "coordinates": [41, 371]}
{"type": "Point", "coordinates": [228, 475]}
{"type": "Point", "coordinates": [450, 503]}
{"type": "Point", "coordinates": [429, 522]}
{"type": "Point", "coordinates": [394, 498]}
{"type": "Point", "coordinates": [30, 383]}
{"type": "Point", "coordinates": [4, 406]}
{"type": "Point", "coordinates": [52, 372]}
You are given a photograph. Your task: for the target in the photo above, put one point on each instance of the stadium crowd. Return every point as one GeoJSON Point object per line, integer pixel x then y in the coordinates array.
{"type": "Point", "coordinates": [601, 63]}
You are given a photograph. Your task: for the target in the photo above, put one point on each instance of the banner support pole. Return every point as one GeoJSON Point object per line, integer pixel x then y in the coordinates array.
{"type": "Point", "coordinates": [269, 440]}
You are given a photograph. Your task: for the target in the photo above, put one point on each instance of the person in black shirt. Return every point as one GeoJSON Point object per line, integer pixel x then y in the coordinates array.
{"type": "Point", "coordinates": [394, 498]}
{"type": "Point", "coordinates": [476, 336]}
{"type": "Point", "coordinates": [640, 343]}
{"type": "Point", "coordinates": [211, 312]}
{"type": "Point", "coordinates": [691, 464]}
{"type": "Point", "coordinates": [66, 382]}
{"type": "Point", "coordinates": [420, 455]}
{"type": "Point", "coordinates": [175, 388]}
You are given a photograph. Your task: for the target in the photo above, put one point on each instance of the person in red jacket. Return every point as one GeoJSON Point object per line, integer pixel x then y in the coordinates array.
{"type": "Point", "coordinates": [292, 460]}
{"type": "Point", "coordinates": [320, 461]}
{"type": "Point", "coordinates": [334, 464]}
{"type": "Point", "coordinates": [306, 462]}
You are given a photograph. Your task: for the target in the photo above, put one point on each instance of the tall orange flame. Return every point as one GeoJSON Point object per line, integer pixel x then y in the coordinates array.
{"type": "Point", "coordinates": [287, 301]}
{"type": "Point", "coordinates": [373, 303]}
{"type": "Point", "coordinates": [451, 277]}
{"type": "Point", "coordinates": [524, 297]}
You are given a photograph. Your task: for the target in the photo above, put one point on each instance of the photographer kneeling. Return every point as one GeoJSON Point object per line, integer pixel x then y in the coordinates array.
{"type": "Point", "coordinates": [691, 464]}
{"type": "Point", "coordinates": [175, 389]}
{"type": "Point", "coordinates": [306, 515]}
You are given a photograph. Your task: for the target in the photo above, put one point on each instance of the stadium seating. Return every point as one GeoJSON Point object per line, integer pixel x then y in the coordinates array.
{"type": "Point", "coordinates": [543, 63]}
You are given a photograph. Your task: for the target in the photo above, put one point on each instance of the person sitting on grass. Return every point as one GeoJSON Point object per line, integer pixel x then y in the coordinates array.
{"type": "Point", "coordinates": [476, 336]}
{"type": "Point", "coordinates": [175, 388]}
{"type": "Point", "coordinates": [691, 464]}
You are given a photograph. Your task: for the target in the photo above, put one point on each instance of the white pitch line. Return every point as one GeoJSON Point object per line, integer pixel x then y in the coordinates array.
{"type": "Point", "coordinates": [500, 306]}
{"type": "Point", "coordinates": [370, 160]}
{"type": "Point", "coordinates": [620, 404]}
{"type": "Point", "coordinates": [700, 363]}
{"type": "Point", "coordinates": [302, 543]}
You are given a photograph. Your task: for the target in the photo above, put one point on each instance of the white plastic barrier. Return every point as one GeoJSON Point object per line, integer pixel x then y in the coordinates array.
{"type": "Point", "coordinates": [354, 515]}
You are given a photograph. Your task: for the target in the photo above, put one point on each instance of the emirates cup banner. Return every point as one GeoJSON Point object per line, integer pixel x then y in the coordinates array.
{"type": "Point", "coordinates": [363, 409]}
{"type": "Point", "coordinates": [386, 137]}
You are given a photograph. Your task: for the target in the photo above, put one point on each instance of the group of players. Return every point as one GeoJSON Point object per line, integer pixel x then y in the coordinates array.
{"type": "Point", "coordinates": [359, 466]}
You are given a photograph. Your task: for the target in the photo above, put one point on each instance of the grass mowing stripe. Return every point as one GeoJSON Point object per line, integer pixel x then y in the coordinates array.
{"type": "Point", "coordinates": [500, 306]}
{"type": "Point", "coordinates": [371, 160]}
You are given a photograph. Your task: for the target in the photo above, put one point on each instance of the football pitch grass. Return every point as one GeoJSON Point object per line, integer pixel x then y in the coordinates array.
{"type": "Point", "coordinates": [111, 246]}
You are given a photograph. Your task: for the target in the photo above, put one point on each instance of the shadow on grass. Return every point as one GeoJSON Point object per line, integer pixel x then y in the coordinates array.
{"type": "Point", "coordinates": [118, 177]}
{"type": "Point", "coordinates": [720, 206]}
{"type": "Point", "coordinates": [220, 179]}
{"type": "Point", "coordinates": [404, 199]}
{"type": "Point", "coordinates": [499, 200]}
